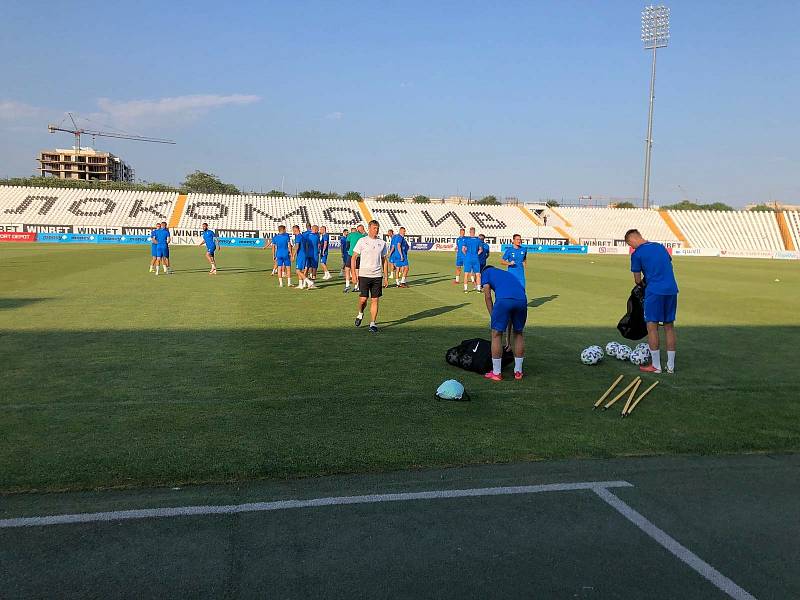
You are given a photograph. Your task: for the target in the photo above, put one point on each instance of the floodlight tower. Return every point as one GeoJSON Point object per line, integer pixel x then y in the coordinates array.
{"type": "Point", "coordinates": [655, 34]}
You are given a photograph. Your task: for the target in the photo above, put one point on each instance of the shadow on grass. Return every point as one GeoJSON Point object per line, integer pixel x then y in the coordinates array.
{"type": "Point", "coordinates": [12, 303]}
{"type": "Point", "coordinates": [425, 314]}
{"type": "Point", "coordinates": [543, 300]}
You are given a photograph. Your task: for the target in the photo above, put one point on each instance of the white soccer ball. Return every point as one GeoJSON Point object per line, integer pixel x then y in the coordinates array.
{"type": "Point", "coordinates": [623, 352]}
{"type": "Point", "coordinates": [640, 356]}
{"type": "Point", "coordinates": [611, 348]}
{"type": "Point", "coordinates": [643, 346]}
{"type": "Point", "coordinates": [592, 355]}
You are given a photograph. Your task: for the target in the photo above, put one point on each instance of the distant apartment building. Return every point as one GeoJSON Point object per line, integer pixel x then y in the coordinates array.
{"type": "Point", "coordinates": [87, 164]}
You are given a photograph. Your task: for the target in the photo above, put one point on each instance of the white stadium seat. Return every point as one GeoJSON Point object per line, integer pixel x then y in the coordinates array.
{"type": "Point", "coordinates": [80, 208]}
{"type": "Point", "coordinates": [793, 223]}
{"type": "Point", "coordinates": [612, 223]}
{"type": "Point", "coordinates": [729, 230]}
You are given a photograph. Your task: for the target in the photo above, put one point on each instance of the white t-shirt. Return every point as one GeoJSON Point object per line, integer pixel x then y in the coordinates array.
{"type": "Point", "coordinates": [370, 252]}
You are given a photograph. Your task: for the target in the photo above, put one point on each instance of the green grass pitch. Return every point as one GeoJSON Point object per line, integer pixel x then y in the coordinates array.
{"type": "Point", "coordinates": [114, 377]}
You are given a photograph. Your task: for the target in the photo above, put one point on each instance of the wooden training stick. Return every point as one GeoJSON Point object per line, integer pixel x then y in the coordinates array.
{"type": "Point", "coordinates": [623, 392]}
{"type": "Point", "coordinates": [630, 398]}
{"type": "Point", "coordinates": [608, 391]}
{"type": "Point", "coordinates": [639, 399]}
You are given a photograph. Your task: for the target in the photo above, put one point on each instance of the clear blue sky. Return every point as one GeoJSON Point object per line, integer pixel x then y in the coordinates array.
{"type": "Point", "coordinates": [527, 99]}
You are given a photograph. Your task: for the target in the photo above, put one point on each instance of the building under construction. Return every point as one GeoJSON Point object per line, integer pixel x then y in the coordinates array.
{"type": "Point", "coordinates": [86, 164]}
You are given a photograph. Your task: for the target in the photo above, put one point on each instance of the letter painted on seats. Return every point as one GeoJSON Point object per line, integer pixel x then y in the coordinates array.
{"type": "Point", "coordinates": [222, 210]}
{"type": "Point", "coordinates": [76, 208]}
{"type": "Point", "coordinates": [47, 204]}
{"type": "Point", "coordinates": [391, 212]}
{"type": "Point", "coordinates": [435, 224]}
{"type": "Point", "coordinates": [300, 211]}
{"type": "Point", "coordinates": [139, 207]}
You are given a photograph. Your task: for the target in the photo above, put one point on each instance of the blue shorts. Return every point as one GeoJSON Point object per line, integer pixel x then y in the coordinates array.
{"type": "Point", "coordinates": [346, 260]}
{"type": "Point", "coordinates": [300, 262]}
{"type": "Point", "coordinates": [472, 264]}
{"type": "Point", "coordinates": [401, 263]}
{"type": "Point", "coordinates": [153, 250]}
{"type": "Point", "coordinates": [323, 259]}
{"type": "Point", "coordinates": [211, 250]}
{"type": "Point", "coordinates": [283, 261]}
{"type": "Point", "coordinates": [459, 259]}
{"type": "Point", "coordinates": [311, 262]}
{"type": "Point", "coordinates": [162, 252]}
{"type": "Point", "coordinates": [659, 308]}
{"type": "Point", "coordinates": [512, 309]}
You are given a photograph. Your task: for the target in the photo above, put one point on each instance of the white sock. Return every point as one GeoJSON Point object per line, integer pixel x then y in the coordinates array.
{"type": "Point", "coordinates": [404, 279]}
{"type": "Point", "coordinates": [300, 284]}
{"type": "Point", "coordinates": [361, 315]}
{"type": "Point", "coordinates": [670, 359]}
{"type": "Point", "coordinates": [465, 285]}
{"type": "Point", "coordinates": [372, 323]}
{"type": "Point", "coordinates": [497, 365]}
{"type": "Point", "coordinates": [347, 285]}
{"type": "Point", "coordinates": [456, 278]}
{"type": "Point", "coordinates": [157, 268]}
{"type": "Point", "coordinates": [391, 275]}
{"type": "Point", "coordinates": [656, 355]}
{"type": "Point", "coordinates": [288, 281]}
{"type": "Point", "coordinates": [280, 281]}
{"type": "Point", "coordinates": [518, 364]}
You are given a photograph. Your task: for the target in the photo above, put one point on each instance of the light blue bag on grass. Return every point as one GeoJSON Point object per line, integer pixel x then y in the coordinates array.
{"type": "Point", "coordinates": [451, 390]}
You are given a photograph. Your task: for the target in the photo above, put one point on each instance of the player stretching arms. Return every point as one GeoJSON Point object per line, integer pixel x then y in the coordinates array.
{"type": "Point", "coordinates": [400, 245]}
{"type": "Point", "coordinates": [280, 249]}
{"type": "Point", "coordinates": [472, 248]}
{"type": "Point", "coordinates": [161, 240]}
{"type": "Point", "coordinates": [459, 256]}
{"type": "Point", "coordinates": [324, 246]}
{"type": "Point", "coordinates": [372, 251]}
{"type": "Point", "coordinates": [651, 260]}
{"type": "Point", "coordinates": [153, 257]}
{"type": "Point", "coordinates": [210, 240]}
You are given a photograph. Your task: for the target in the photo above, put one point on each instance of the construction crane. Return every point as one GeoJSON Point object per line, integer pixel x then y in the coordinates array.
{"type": "Point", "coordinates": [79, 131]}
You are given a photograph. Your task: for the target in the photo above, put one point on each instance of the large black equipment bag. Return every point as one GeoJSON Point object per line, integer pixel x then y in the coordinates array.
{"type": "Point", "coordinates": [632, 326]}
{"type": "Point", "coordinates": [475, 355]}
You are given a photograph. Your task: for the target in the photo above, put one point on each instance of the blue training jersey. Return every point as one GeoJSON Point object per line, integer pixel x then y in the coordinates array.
{"type": "Point", "coordinates": [503, 283]}
{"type": "Point", "coordinates": [459, 243]}
{"type": "Point", "coordinates": [518, 255]}
{"type": "Point", "coordinates": [485, 254]}
{"type": "Point", "coordinates": [472, 244]}
{"type": "Point", "coordinates": [654, 261]}
{"type": "Point", "coordinates": [300, 243]}
{"type": "Point", "coordinates": [393, 244]}
{"type": "Point", "coordinates": [281, 243]}
{"type": "Point", "coordinates": [208, 237]}
{"type": "Point", "coordinates": [323, 248]}
{"type": "Point", "coordinates": [152, 235]}
{"type": "Point", "coordinates": [344, 245]}
{"type": "Point", "coordinates": [161, 236]}
{"type": "Point", "coordinates": [312, 243]}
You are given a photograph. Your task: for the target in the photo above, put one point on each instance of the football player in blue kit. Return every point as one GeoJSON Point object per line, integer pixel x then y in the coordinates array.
{"type": "Point", "coordinates": [209, 238]}
{"type": "Point", "coordinates": [472, 247]}
{"type": "Point", "coordinates": [280, 246]}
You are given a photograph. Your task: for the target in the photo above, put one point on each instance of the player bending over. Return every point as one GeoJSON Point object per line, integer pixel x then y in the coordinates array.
{"type": "Point", "coordinates": [510, 306]}
{"type": "Point", "coordinates": [652, 264]}
{"type": "Point", "coordinates": [280, 249]}
{"type": "Point", "coordinates": [209, 238]}
{"type": "Point", "coordinates": [372, 274]}
{"type": "Point", "coordinates": [472, 247]}
{"type": "Point", "coordinates": [400, 244]}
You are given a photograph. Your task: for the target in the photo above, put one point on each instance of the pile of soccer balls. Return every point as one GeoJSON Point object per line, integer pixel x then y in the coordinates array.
{"type": "Point", "coordinates": [640, 355]}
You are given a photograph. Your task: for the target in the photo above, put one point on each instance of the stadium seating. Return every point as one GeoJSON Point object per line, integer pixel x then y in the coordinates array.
{"type": "Point", "coordinates": [439, 221]}
{"type": "Point", "coordinates": [793, 222]}
{"type": "Point", "coordinates": [84, 208]}
{"type": "Point", "coordinates": [730, 230]}
{"type": "Point", "coordinates": [264, 214]}
{"type": "Point", "coordinates": [612, 223]}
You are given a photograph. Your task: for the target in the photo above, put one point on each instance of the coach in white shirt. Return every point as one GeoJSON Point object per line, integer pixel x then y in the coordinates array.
{"type": "Point", "coordinates": [372, 272]}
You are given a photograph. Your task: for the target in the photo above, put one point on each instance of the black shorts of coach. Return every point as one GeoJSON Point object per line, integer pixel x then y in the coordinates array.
{"type": "Point", "coordinates": [370, 286]}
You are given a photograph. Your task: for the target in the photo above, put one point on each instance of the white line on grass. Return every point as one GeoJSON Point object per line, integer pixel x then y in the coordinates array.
{"type": "Point", "coordinates": [673, 546]}
{"type": "Point", "coordinates": [177, 511]}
